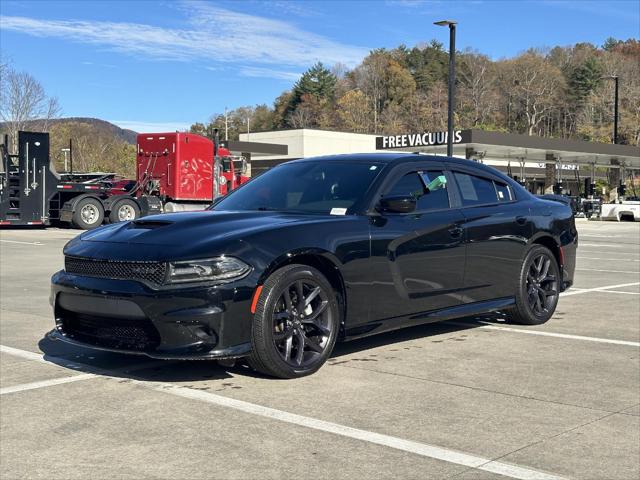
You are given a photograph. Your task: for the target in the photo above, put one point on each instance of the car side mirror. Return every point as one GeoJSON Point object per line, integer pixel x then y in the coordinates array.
{"type": "Point", "coordinates": [397, 204]}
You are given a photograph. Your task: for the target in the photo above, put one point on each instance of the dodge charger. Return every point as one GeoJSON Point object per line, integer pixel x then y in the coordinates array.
{"type": "Point", "coordinates": [313, 252]}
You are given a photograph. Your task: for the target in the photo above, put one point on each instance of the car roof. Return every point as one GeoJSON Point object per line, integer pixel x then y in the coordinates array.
{"type": "Point", "coordinates": [391, 158]}
{"type": "Point", "coordinates": [398, 158]}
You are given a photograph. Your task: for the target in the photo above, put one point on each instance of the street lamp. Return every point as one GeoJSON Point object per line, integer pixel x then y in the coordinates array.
{"type": "Point", "coordinates": [452, 79]}
{"type": "Point", "coordinates": [615, 108]}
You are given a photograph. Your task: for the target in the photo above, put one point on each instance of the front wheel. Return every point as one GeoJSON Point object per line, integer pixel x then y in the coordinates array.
{"type": "Point", "coordinates": [295, 324]}
{"type": "Point", "coordinates": [538, 288]}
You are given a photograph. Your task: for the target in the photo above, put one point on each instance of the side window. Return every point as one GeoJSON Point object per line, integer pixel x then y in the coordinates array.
{"type": "Point", "coordinates": [429, 188]}
{"type": "Point", "coordinates": [410, 184]}
{"type": "Point", "coordinates": [503, 191]}
{"type": "Point", "coordinates": [475, 190]}
{"type": "Point", "coordinates": [437, 196]}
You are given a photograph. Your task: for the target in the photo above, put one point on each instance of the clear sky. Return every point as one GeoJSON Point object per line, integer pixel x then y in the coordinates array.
{"type": "Point", "coordinates": [162, 65]}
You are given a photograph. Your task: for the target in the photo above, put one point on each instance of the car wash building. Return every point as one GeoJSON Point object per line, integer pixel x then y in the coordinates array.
{"type": "Point", "coordinates": [541, 164]}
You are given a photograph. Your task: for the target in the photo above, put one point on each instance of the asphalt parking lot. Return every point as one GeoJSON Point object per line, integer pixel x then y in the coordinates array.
{"type": "Point", "coordinates": [474, 398]}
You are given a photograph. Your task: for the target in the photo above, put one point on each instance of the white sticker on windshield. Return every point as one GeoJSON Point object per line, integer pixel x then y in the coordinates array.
{"type": "Point", "coordinates": [338, 211]}
{"type": "Point", "coordinates": [373, 167]}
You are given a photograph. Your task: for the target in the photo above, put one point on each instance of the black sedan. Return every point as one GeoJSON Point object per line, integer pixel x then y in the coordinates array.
{"type": "Point", "coordinates": [315, 251]}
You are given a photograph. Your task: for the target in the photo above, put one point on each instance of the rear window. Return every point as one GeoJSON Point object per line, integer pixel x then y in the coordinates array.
{"type": "Point", "coordinates": [503, 191]}
{"type": "Point", "coordinates": [475, 190]}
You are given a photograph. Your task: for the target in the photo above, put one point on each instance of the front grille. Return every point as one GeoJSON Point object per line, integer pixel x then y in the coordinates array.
{"type": "Point", "coordinates": [149, 272]}
{"type": "Point", "coordinates": [125, 334]}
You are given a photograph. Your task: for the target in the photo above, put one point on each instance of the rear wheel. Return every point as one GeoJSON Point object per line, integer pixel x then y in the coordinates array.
{"type": "Point", "coordinates": [295, 325]}
{"type": "Point", "coordinates": [538, 288]}
{"type": "Point", "coordinates": [88, 214]}
{"type": "Point", "coordinates": [125, 209]}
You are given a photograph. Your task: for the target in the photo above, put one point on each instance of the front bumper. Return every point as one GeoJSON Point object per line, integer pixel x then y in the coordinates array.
{"type": "Point", "coordinates": [203, 322]}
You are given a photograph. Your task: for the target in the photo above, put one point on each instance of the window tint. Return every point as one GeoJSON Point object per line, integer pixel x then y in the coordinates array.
{"type": "Point", "coordinates": [409, 185]}
{"type": "Point", "coordinates": [429, 188]}
{"type": "Point", "coordinates": [475, 190]}
{"type": "Point", "coordinates": [504, 194]}
{"type": "Point", "coordinates": [437, 196]}
{"type": "Point", "coordinates": [308, 187]}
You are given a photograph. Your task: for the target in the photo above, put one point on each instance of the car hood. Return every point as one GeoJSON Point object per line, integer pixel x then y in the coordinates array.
{"type": "Point", "coordinates": [178, 229]}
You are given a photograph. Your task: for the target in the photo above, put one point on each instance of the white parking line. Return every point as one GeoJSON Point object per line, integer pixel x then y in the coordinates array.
{"type": "Point", "coordinates": [491, 326]}
{"type": "Point", "coordinates": [22, 243]}
{"type": "Point", "coordinates": [45, 383]}
{"type": "Point", "coordinates": [609, 291]}
{"type": "Point", "coordinates": [609, 259]}
{"type": "Point", "coordinates": [598, 289]}
{"type": "Point", "coordinates": [598, 235]}
{"type": "Point", "coordinates": [605, 271]}
{"type": "Point", "coordinates": [61, 362]}
{"type": "Point", "coordinates": [608, 245]}
{"type": "Point", "coordinates": [417, 448]}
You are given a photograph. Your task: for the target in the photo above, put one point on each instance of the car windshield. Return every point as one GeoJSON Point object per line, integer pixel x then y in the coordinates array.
{"type": "Point", "coordinates": [308, 187]}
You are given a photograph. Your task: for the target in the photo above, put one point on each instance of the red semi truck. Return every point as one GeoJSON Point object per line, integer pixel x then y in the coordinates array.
{"type": "Point", "coordinates": [177, 168]}
{"type": "Point", "coordinates": [174, 172]}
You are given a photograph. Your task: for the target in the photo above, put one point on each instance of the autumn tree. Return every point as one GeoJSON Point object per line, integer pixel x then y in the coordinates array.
{"type": "Point", "coordinates": [354, 111]}
{"type": "Point", "coordinates": [534, 86]}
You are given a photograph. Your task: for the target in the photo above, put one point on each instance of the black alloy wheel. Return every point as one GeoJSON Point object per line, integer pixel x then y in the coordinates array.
{"type": "Point", "coordinates": [301, 322]}
{"type": "Point", "coordinates": [538, 288]}
{"type": "Point", "coordinates": [542, 286]}
{"type": "Point", "coordinates": [295, 324]}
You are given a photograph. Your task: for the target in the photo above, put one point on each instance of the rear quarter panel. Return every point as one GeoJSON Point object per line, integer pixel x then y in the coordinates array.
{"type": "Point", "coordinates": [556, 220]}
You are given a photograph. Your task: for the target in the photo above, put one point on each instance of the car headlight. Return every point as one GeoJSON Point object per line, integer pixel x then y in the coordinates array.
{"type": "Point", "coordinates": [221, 269]}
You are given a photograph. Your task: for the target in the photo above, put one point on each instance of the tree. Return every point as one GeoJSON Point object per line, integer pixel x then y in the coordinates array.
{"type": "Point", "coordinates": [554, 93]}
{"type": "Point", "coordinates": [428, 64]}
{"type": "Point", "coordinates": [22, 100]}
{"type": "Point", "coordinates": [534, 85]}
{"type": "Point", "coordinates": [583, 80]}
{"type": "Point", "coordinates": [354, 111]}
{"type": "Point", "coordinates": [476, 98]}
{"type": "Point", "coordinates": [317, 81]}
{"type": "Point", "coordinates": [304, 113]}
{"type": "Point", "coordinates": [370, 78]}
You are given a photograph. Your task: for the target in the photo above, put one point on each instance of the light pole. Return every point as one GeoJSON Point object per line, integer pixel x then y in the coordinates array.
{"type": "Point", "coordinates": [452, 79]}
{"type": "Point", "coordinates": [615, 107]}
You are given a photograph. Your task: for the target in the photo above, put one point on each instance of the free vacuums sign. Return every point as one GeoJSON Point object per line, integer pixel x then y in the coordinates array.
{"type": "Point", "coordinates": [409, 140]}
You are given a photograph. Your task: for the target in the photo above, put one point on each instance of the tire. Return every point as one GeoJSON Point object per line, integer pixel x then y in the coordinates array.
{"type": "Point", "coordinates": [88, 214]}
{"type": "Point", "coordinates": [279, 328]}
{"type": "Point", "coordinates": [538, 288]}
{"type": "Point", "coordinates": [124, 210]}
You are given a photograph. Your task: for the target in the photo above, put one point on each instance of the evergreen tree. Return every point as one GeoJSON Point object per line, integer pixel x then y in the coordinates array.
{"type": "Point", "coordinates": [318, 81]}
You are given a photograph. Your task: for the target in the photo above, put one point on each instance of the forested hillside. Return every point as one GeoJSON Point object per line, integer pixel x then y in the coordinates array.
{"type": "Point", "coordinates": [562, 92]}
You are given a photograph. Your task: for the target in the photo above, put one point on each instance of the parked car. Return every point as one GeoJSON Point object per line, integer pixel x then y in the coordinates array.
{"type": "Point", "coordinates": [315, 251]}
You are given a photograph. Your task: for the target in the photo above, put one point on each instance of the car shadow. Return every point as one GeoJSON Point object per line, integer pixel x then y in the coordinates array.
{"type": "Point", "coordinates": [128, 367]}
{"type": "Point", "coordinates": [414, 333]}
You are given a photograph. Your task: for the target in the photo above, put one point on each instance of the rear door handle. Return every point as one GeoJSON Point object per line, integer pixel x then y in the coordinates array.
{"type": "Point", "coordinates": [455, 232]}
{"type": "Point", "coordinates": [521, 220]}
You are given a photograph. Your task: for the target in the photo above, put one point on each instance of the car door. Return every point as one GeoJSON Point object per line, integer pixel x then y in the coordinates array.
{"type": "Point", "coordinates": [417, 259]}
{"type": "Point", "coordinates": [497, 228]}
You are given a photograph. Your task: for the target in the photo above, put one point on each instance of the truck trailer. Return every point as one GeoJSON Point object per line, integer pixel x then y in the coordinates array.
{"type": "Point", "coordinates": [173, 173]}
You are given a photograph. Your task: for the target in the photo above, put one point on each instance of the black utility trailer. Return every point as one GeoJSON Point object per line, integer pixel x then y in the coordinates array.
{"type": "Point", "coordinates": [33, 193]}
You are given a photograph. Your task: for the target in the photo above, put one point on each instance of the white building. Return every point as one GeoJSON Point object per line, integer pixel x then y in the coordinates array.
{"type": "Point", "coordinates": [540, 162]}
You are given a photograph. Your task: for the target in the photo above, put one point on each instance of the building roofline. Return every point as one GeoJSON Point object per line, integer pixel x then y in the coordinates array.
{"type": "Point", "coordinates": [543, 143]}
